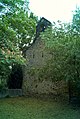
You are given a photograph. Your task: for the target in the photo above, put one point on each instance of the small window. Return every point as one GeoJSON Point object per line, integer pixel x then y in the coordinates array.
{"type": "Point", "coordinates": [42, 54]}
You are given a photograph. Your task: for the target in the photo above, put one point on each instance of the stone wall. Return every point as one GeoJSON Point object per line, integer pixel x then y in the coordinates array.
{"type": "Point", "coordinates": [45, 87]}
{"type": "Point", "coordinates": [37, 54]}
{"type": "Point", "coordinates": [37, 58]}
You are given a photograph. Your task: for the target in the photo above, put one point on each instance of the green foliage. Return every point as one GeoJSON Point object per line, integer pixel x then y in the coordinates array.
{"type": "Point", "coordinates": [65, 48]}
{"type": "Point", "coordinates": [76, 21]}
{"type": "Point", "coordinates": [23, 27]}
{"type": "Point", "coordinates": [63, 41]}
{"type": "Point", "coordinates": [17, 29]}
{"type": "Point", "coordinates": [10, 6]}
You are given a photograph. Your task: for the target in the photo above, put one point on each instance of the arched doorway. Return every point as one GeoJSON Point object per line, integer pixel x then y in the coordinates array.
{"type": "Point", "coordinates": [16, 77]}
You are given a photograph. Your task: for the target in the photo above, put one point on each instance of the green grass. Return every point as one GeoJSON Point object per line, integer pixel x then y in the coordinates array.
{"type": "Point", "coordinates": [31, 108]}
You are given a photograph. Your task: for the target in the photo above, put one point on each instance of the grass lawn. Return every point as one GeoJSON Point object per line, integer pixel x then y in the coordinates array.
{"type": "Point", "coordinates": [31, 108]}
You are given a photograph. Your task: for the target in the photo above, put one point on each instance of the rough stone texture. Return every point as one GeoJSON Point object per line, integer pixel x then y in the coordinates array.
{"type": "Point", "coordinates": [37, 57]}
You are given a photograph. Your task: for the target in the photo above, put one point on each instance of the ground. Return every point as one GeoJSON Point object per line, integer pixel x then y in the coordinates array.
{"type": "Point", "coordinates": [32, 108]}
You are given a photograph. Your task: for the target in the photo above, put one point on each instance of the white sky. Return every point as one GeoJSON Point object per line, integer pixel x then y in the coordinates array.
{"type": "Point", "coordinates": [54, 10]}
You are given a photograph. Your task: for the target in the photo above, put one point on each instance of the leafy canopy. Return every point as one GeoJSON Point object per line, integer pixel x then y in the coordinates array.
{"type": "Point", "coordinates": [64, 44]}
{"type": "Point", "coordinates": [17, 28]}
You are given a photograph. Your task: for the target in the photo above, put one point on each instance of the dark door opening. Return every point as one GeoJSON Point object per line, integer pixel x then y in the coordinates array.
{"type": "Point", "coordinates": [16, 77]}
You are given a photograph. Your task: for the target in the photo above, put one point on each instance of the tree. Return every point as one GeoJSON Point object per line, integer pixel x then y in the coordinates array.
{"type": "Point", "coordinates": [64, 45]}
{"type": "Point", "coordinates": [17, 29]}
{"type": "Point", "coordinates": [76, 21]}
{"type": "Point", "coordinates": [9, 6]}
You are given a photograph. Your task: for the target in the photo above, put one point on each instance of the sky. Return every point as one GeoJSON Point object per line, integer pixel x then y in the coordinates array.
{"type": "Point", "coordinates": [54, 10]}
